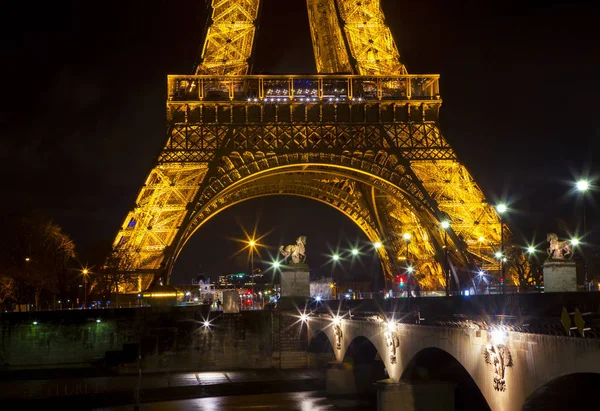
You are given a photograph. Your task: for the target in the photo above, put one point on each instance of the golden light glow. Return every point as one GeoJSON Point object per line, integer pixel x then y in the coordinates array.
{"type": "Point", "coordinates": [159, 295]}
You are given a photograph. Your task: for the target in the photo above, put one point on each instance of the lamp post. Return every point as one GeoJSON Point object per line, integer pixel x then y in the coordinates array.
{"type": "Point", "coordinates": [582, 187]}
{"type": "Point", "coordinates": [446, 226]}
{"type": "Point", "coordinates": [406, 237]}
{"type": "Point", "coordinates": [85, 273]}
{"type": "Point", "coordinates": [501, 209]}
{"type": "Point", "coordinates": [252, 244]}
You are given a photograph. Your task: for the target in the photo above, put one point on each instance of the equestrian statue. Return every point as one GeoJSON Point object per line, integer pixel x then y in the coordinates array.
{"type": "Point", "coordinates": [558, 250]}
{"type": "Point", "coordinates": [297, 252]}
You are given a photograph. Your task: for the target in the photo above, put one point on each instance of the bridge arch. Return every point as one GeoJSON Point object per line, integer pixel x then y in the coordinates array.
{"type": "Point", "coordinates": [320, 350]}
{"type": "Point", "coordinates": [436, 364]}
{"type": "Point", "coordinates": [367, 365]}
{"type": "Point", "coordinates": [571, 391]}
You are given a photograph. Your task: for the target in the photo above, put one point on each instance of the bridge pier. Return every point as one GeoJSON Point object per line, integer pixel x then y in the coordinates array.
{"type": "Point", "coordinates": [415, 396]}
{"type": "Point", "coordinates": [339, 379]}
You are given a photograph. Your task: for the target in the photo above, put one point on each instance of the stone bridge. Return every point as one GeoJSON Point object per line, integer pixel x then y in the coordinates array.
{"type": "Point", "coordinates": [428, 367]}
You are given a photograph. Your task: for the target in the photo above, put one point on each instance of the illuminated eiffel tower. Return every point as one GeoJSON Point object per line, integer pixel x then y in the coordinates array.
{"type": "Point", "coordinates": [365, 142]}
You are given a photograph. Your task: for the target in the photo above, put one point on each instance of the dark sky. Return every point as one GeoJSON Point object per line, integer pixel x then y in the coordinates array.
{"type": "Point", "coordinates": [82, 115]}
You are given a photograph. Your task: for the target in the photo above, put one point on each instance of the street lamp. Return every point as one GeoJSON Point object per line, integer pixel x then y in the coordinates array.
{"type": "Point", "coordinates": [251, 245]}
{"type": "Point", "coordinates": [583, 186]}
{"type": "Point", "coordinates": [501, 209]}
{"type": "Point", "coordinates": [85, 273]}
{"type": "Point", "coordinates": [446, 225]}
{"type": "Point", "coordinates": [409, 271]}
{"type": "Point", "coordinates": [406, 237]}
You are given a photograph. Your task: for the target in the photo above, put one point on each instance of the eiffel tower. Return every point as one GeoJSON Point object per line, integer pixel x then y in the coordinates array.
{"type": "Point", "coordinates": [362, 136]}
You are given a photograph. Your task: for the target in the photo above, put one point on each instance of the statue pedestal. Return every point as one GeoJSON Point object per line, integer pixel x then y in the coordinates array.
{"type": "Point", "coordinates": [559, 276]}
{"type": "Point", "coordinates": [295, 281]}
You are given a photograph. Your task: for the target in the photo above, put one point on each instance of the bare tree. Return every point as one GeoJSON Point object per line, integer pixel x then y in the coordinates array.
{"type": "Point", "coordinates": [525, 269]}
{"type": "Point", "coordinates": [35, 254]}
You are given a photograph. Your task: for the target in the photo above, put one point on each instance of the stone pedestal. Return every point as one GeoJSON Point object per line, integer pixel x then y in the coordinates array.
{"type": "Point", "coordinates": [295, 281]}
{"type": "Point", "coordinates": [415, 396]}
{"type": "Point", "coordinates": [559, 276]}
{"type": "Point", "coordinates": [231, 302]}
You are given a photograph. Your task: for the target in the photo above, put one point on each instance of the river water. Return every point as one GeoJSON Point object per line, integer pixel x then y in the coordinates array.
{"type": "Point", "coordinates": [289, 401]}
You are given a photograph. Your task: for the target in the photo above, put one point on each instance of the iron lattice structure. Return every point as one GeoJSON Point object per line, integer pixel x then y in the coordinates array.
{"type": "Point", "coordinates": [366, 143]}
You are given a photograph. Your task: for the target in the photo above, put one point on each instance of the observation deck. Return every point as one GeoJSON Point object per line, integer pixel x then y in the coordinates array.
{"type": "Point", "coordinates": [304, 89]}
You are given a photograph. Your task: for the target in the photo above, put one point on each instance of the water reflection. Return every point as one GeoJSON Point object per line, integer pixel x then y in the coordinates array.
{"type": "Point", "coordinates": [293, 401]}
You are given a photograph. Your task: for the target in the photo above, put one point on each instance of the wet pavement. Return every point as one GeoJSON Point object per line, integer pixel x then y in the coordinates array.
{"type": "Point", "coordinates": [200, 383]}
{"type": "Point", "coordinates": [292, 401]}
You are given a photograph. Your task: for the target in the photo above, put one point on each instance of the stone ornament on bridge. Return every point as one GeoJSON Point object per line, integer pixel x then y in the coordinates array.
{"type": "Point", "coordinates": [392, 342]}
{"type": "Point", "coordinates": [558, 250]}
{"type": "Point", "coordinates": [337, 332]}
{"type": "Point", "coordinates": [297, 252]}
{"type": "Point", "coordinates": [499, 357]}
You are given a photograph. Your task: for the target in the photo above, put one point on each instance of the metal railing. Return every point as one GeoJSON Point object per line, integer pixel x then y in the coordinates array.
{"type": "Point", "coordinates": [303, 88]}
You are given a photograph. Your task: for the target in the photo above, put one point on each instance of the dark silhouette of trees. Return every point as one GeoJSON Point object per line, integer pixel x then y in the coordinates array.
{"type": "Point", "coordinates": [526, 269]}
{"type": "Point", "coordinates": [36, 258]}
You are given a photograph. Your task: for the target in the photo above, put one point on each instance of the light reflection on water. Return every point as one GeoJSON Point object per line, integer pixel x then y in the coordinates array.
{"type": "Point", "coordinates": [292, 401]}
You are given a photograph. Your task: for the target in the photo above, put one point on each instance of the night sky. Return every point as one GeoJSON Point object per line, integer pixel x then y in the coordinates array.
{"type": "Point", "coordinates": [82, 118]}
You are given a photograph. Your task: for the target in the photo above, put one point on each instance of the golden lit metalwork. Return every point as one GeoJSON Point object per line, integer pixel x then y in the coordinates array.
{"type": "Point", "coordinates": [331, 53]}
{"type": "Point", "coordinates": [369, 39]}
{"type": "Point", "coordinates": [230, 37]}
{"type": "Point", "coordinates": [367, 144]}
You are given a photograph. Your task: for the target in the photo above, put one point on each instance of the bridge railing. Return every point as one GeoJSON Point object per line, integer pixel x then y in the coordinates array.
{"type": "Point", "coordinates": [532, 313]}
{"type": "Point", "coordinates": [305, 89]}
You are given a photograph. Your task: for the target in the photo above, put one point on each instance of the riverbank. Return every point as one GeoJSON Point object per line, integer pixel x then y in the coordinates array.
{"type": "Point", "coordinates": [88, 392]}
